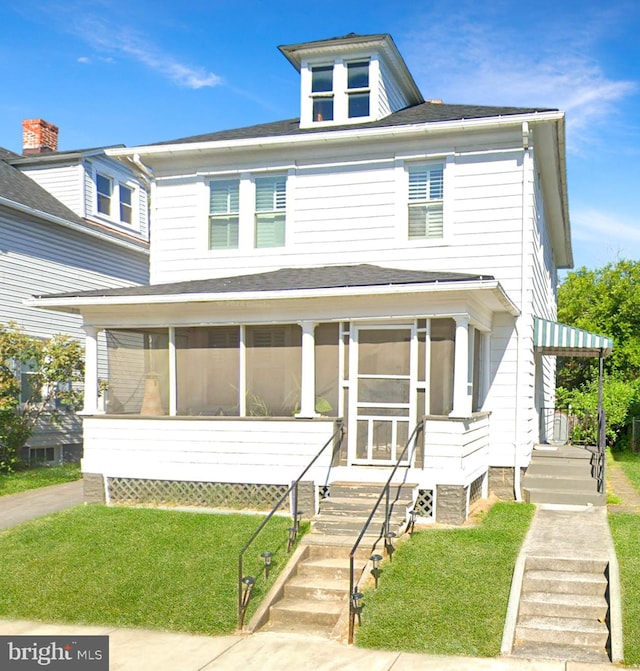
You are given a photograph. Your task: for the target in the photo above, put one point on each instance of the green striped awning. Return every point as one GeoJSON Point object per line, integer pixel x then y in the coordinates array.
{"type": "Point", "coordinates": [553, 338]}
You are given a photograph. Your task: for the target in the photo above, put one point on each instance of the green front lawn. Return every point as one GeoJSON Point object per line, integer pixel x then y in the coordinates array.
{"type": "Point", "coordinates": [446, 590]}
{"type": "Point", "coordinates": [625, 529]}
{"type": "Point", "coordinates": [135, 567]}
{"type": "Point", "coordinates": [40, 476]}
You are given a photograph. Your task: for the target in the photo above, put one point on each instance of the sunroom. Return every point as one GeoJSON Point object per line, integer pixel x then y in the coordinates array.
{"type": "Point", "coordinates": [225, 389]}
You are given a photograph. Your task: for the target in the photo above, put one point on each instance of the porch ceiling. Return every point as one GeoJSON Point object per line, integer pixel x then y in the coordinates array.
{"type": "Point", "coordinates": [562, 340]}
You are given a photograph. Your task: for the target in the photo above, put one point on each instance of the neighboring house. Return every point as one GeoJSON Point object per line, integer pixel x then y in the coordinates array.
{"type": "Point", "coordinates": [61, 231]}
{"type": "Point", "coordinates": [382, 260]}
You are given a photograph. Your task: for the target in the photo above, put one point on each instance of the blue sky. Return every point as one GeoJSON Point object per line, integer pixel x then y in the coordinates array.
{"type": "Point", "coordinates": [138, 71]}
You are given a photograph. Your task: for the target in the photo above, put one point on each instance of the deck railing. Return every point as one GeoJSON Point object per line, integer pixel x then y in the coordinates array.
{"type": "Point", "coordinates": [246, 583]}
{"type": "Point", "coordinates": [386, 533]}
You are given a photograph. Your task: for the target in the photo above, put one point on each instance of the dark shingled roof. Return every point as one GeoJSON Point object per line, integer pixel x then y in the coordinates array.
{"type": "Point", "coordinates": [16, 186]}
{"type": "Point", "coordinates": [427, 112]}
{"type": "Point", "coordinates": [288, 279]}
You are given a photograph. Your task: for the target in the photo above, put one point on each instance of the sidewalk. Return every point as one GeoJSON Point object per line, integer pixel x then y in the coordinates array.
{"type": "Point", "coordinates": [140, 650]}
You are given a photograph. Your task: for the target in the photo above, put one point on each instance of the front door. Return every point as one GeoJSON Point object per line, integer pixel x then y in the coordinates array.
{"type": "Point", "coordinates": [380, 399]}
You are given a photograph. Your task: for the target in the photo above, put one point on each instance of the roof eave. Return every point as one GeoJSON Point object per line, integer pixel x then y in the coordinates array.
{"type": "Point", "coordinates": [342, 135]}
{"type": "Point", "coordinates": [76, 303]}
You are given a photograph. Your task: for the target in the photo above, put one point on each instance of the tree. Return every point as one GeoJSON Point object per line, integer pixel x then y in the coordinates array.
{"type": "Point", "coordinates": [36, 377]}
{"type": "Point", "coordinates": [604, 301]}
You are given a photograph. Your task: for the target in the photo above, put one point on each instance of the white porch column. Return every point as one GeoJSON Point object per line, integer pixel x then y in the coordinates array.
{"type": "Point", "coordinates": [462, 385]}
{"type": "Point", "coordinates": [308, 377]}
{"type": "Point", "coordinates": [90, 371]}
{"type": "Point", "coordinates": [173, 384]}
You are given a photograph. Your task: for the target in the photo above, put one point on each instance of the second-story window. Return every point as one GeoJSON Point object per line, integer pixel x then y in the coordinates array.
{"type": "Point", "coordinates": [115, 199]}
{"type": "Point", "coordinates": [104, 188]}
{"type": "Point", "coordinates": [126, 204]}
{"type": "Point", "coordinates": [358, 91]}
{"type": "Point", "coordinates": [224, 208]}
{"type": "Point", "coordinates": [271, 205]}
{"type": "Point", "coordinates": [425, 201]}
{"type": "Point", "coordinates": [322, 92]}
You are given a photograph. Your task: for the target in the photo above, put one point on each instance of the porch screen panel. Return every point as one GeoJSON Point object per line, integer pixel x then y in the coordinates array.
{"type": "Point", "coordinates": [274, 364]}
{"type": "Point", "coordinates": [208, 369]}
{"type": "Point", "coordinates": [138, 372]}
{"type": "Point", "coordinates": [441, 366]}
{"type": "Point", "coordinates": [383, 352]}
{"type": "Point", "coordinates": [327, 372]}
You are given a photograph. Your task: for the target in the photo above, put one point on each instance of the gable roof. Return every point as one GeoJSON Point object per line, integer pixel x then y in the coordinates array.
{"type": "Point", "coordinates": [427, 112]}
{"type": "Point", "coordinates": [22, 190]}
{"type": "Point", "coordinates": [18, 191]}
{"type": "Point", "coordinates": [288, 279]}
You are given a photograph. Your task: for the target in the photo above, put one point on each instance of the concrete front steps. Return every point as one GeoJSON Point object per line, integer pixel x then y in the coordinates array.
{"type": "Point", "coordinates": [349, 504]}
{"type": "Point", "coordinates": [562, 475]}
{"type": "Point", "coordinates": [314, 597]}
{"type": "Point", "coordinates": [564, 611]}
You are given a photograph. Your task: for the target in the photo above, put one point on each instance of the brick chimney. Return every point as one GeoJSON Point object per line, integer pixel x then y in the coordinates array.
{"type": "Point", "coordinates": [38, 137]}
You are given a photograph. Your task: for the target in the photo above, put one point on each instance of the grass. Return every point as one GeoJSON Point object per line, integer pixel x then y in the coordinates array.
{"type": "Point", "coordinates": [135, 567]}
{"type": "Point", "coordinates": [42, 476]}
{"type": "Point", "coordinates": [446, 590]}
{"type": "Point", "coordinates": [625, 529]}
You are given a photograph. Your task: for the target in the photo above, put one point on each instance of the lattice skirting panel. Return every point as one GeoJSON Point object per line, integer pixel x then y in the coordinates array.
{"type": "Point", "coordinates": [475, 490]}
{"type": "Point", "coordinates": [232, 496]}
{"type": "Point", "coordinates": [424, 503]}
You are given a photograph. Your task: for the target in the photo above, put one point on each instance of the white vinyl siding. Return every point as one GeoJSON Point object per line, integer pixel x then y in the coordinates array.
{"type": "Point", "coordinates": [224, 213]}
{"type": "Point", "coordinates": [271, 205]}
{"type": "Point", "coordinates": [426, 190]}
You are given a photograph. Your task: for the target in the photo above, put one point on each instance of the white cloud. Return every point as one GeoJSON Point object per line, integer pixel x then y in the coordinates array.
{"type": "Point", "coordinates": [601, 237]}
{"type": "Point", "coordinates": [132, 44]}
{"type": "Point", "coordinates": [85, 60]}
{"type": "Point", "coordinates": [461, 60]}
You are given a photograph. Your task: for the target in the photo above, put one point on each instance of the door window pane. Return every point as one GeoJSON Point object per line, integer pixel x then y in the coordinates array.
{"type": "Point", "coordinates": [384, 351]}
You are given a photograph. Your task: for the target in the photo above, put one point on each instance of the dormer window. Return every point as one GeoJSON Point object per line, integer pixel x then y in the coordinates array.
{"type": "Point", "coordinates": [352, 79]}
{"type": "Point", "coordinates": [358, 90]}
{"type": "Point", "coordinates": [322, 92]}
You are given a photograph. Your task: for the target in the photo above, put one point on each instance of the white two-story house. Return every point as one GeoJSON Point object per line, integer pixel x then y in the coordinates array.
{"type": "Point", "coordinates": [69, 221]}
{"type": "Point", "coordinates": [379, 261]}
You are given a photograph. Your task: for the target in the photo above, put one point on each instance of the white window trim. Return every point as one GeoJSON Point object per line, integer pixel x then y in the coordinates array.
{"type": "Point", "coordinates": [114, 216]}
{"type": "Point", "coordinates": [340, 90]}
{"type": "Point", "coordinates": [246, 216]}
{"type": "Point", "coordinates": [402, 200]}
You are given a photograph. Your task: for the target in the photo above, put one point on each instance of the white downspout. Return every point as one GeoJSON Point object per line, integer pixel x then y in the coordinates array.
{"type": "Point", "coordinates": [516, 460]}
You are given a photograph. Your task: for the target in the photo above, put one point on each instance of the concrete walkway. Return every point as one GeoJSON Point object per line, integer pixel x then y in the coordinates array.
{"type": "Point", "coordinates": [568, 532]}
{"type": "Point", "coordinates": [139, 650]}
{"type": "Point", "coordinates": [18, 508]}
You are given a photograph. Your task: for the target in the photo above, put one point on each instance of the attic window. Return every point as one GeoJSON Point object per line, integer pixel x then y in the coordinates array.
{"type": "Point", "coordinates": [322, 92]}
{"type": "Point", "coordinates": [358, 90]}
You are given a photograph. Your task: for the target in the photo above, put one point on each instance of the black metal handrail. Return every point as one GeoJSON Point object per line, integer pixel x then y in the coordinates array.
{"type": "Point", "coordinates": [354, 595]}
{"type": "Point", "coordinates": [246, 583]}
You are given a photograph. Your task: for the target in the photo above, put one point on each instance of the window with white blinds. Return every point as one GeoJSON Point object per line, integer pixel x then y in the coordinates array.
{"type": "Point", "coordinates": [270, 217]}
{"type": "Point", "coordinates": [224, 208]}
{"type": "Point", "coordinates": [425, 201]}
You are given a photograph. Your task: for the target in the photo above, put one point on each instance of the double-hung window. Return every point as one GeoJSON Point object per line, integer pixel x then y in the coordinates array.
{"type": "Point", "coordinates": [358, 92]}
{"type": "Point", "coordinates": [322, 92]}
{"type": "Point", "coordinates": [104, 188]}
{"type": "Point", "coordinates": [126, 204]}
{"type": "Point", "coordinates": [270, 216]}
{"type": "Point", "coordinates": [114, 199]}
{"type": "Point", "coordinates": [425, 201]}
{"type": "Point", "coordinates": [224, 209]}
